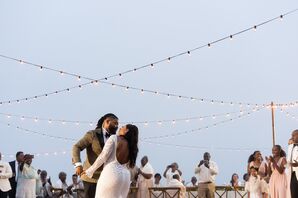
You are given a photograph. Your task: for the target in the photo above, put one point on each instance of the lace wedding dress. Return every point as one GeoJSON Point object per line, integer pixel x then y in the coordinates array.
{"type": "Point", "coordinates": [114, 181]}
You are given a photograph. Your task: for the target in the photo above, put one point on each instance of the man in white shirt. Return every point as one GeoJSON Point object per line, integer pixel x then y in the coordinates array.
{"type": "Point", "coordinates": [193, 182]}
{"type": "Point", "coordinates": [145, 178]}
{"type": "Point", "coordinates": [171, 170]}
{"type": "Point", "coordinates": [77, 187]}
{"type": "Point", "coordinates": [176, 183]}
{"type": "Point", "coordinates": [5, 174]}
{"type": "Point", "coordinates": [206, 172]}
{"type": "Point", "coordinates": [62, 189]}
{"type": "Point", "coordinates": [293, 163]}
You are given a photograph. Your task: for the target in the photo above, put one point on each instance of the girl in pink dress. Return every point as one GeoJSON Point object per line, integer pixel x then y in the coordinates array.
{"type": "Point", "coordinates": [278, 179]}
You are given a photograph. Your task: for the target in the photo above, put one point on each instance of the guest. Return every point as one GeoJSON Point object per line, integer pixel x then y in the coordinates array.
{"type": "Point", "coordinates": [77, 187]}
{"type": "Point", "coordinates": [64, 190]}
{"type": "Point", "coordinates": [13, 180]}
{"type": "Point", "coordinates": [46, 186]}
{"type": "Point", "coordinates": [206, 172]}
{"type": "Point", "coordinates": [170, 171]}
{"type": "Point", "coordinates": [26, 186]}
{"type": "Point", "coordinates": [278, 179]}
{"type": "Point", "coordinates": [256, 160]}
{"type": "Point", "coordinates": [293, 163]}
{"type": "Point", "coordinates": [157, 178]}
{"type": "Point", "coordinates": [193, 182]}
{"type": "Point", "coordinates": [145, 178]}
{"type": "Point", "coordinates": [5, 174]}
{"type": "Point", "coordinates": [245, 178]}
{"type": "Point", "coordinates": [235, 180]}
{"type": "Point", "coordinates": [176, 183]}
{"type": "Point", "coordinates": [254, 185]}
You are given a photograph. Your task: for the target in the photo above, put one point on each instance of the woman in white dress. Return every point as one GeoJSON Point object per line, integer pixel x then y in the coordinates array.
{"type": "Point", "coordinates": [119, 153]}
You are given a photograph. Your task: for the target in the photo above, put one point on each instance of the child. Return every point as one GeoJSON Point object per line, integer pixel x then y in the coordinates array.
{"type": "Point", "coordinates": [254, 184]}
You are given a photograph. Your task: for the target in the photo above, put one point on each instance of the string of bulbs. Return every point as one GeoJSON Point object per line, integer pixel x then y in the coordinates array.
{"type": "Point", "coordinates": [172, 135]}
{"type": "Point", "coordinates": [192, 147]}
{"type": "Point", "coordinates": [168, 59]}
{"type": "Point", "coordinates": [145, 123]}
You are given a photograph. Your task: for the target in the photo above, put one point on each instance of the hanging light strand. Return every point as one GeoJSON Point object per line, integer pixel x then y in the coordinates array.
{"type": "Point", "coordinates": [192, 147]}
{"type": "Point", "coordinates": [25, 130]}
{"type": "Point", "coordinates": [167, 59]}
{"type": "Point", "coordinates": [173, 135]}
{"type": "Point", "coordinates": [140, 90]}
{"type": "Point", "coordinates": [188, 52]}
{"type": "Point", "coordinates": [41, 154]}
{"type": "Point", "coordinates": [67, 139]}
{"type": "Point", "coordinates": [79, 122]}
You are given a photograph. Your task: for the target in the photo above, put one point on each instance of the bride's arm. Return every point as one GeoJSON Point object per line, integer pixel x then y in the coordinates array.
{"type": "Point", "coordinates": [103, 156]}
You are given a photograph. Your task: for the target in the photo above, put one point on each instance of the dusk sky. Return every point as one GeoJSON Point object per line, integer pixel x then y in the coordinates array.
{"type": "Point", "coordinates": [97, 39]}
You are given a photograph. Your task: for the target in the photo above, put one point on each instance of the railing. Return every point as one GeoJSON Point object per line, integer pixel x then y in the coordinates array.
{"type": "Point", "coordinates": [220, 192]}
{"type": "Point", "coordinates": [192, 192]}
{"type": "Point", "coordinates": [164, 192]}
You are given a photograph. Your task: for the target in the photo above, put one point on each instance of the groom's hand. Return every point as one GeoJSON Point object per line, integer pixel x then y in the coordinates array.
{"type": "Point", "coordinates": [79, 170]}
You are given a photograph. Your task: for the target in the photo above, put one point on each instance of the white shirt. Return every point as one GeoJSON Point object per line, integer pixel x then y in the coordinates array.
{"type": "Point", "coordinates": [5, 174]}
{"type": "Point", "coordinates": [292, 157]}
{"type": "Point", "coordinates": [207, 174]}
{"type": "Point", "coordinates": [64, 186]}
{"type": "Point", "coordinates": [148, 170]}
{"type": "Point", "coordinates": [169, 175]}
{"type": "Point", "coordinates": [254, 187]}
{"type": "Point", "coordinates": [176, 183]}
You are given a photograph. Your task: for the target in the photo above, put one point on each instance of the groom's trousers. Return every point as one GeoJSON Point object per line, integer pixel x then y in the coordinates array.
{"type": "Point", "coordinates": [89, 189]}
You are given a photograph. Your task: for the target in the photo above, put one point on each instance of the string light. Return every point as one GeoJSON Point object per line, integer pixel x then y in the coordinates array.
{"type": "Point", "coordinates": [39, 133]}
{"type": "Point", "coordinates": [201, 128]}
{"type": "Point", "coordinates": [187, 52]}
{"type": "Point", "coordinates": [54, 153]}
{"type": "Point", "coordinates": [66, 139]}
{"type": "Point", "coordinates": [144, 66]}
{"type": "Point", "coordinates": [78, 122]}
{"type": "Point", "coordinates": [191, 98]}
{"type": "Point", "coordinates": [202, 148]}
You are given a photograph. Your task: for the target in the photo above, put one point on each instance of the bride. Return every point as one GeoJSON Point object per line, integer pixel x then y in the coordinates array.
{"type": "Point", "coordinates": [119, 154]}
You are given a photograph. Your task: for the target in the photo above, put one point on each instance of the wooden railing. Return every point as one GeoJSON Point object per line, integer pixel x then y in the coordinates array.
{"type": "Point", "coordinates": [192, 192]}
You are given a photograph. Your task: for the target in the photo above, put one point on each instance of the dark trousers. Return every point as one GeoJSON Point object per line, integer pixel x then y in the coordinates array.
{"type": "Point", "coordinates": [12, 192]}
{"type": "Point", "coordinates": [89, 189]}
{"type": "Point", "coordinates": [3, 194]}
{"type": "Point", "coordinates": [294, 185]}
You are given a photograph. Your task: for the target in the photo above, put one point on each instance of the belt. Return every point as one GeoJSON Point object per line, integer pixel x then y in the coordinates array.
{"type": "Point", "coordinates": [206, 182]}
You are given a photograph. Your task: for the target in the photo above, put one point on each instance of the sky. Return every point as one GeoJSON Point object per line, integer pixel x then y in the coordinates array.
{"type": "Point", "coordinates": [97, 39]}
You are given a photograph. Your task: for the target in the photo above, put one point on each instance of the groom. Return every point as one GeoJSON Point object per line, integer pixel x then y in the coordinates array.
{"type": "Point", "coordinates": [93, 142]}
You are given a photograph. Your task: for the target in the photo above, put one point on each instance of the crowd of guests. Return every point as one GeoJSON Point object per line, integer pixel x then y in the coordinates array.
{"type": "Point", "coordinates": [274, 176]}
{"type": "Point", "coordinates": [19, 179]}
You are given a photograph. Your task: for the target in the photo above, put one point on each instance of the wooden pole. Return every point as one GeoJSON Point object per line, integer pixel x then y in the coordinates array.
{"type": "Point", "coordinates": [273, 127]}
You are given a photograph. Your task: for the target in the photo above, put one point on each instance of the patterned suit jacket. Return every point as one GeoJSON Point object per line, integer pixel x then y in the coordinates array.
{"type": "Point", "coordinates": [93, 143]}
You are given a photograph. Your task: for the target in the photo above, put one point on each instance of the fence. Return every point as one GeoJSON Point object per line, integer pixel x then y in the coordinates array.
{"type": "Point", "coordinates": [192, 192]}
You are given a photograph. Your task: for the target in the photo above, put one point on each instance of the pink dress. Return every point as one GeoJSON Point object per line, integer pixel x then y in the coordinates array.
{"type": "Point", "coordinates": [278, 182]}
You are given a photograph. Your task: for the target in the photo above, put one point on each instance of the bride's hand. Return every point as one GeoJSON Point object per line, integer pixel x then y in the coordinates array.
{"type": "Point", "coordinates": [83, 173]}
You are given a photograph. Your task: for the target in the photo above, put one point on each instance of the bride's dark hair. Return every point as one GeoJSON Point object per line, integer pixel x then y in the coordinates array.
{"type": "Point", "coordinates": [132, 137]}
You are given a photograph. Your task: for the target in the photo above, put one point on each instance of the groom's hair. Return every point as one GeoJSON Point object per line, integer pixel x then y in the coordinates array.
{"type": "Point", "coordinates": [102, 119]}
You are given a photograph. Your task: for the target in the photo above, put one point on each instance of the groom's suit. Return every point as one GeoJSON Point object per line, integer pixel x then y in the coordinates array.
{"type": "Point", "coordinates": [93, 142]}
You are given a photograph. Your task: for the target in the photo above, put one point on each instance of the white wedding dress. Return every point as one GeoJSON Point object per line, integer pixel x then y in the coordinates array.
{"type": "Point", "coordinates": [114, 181]}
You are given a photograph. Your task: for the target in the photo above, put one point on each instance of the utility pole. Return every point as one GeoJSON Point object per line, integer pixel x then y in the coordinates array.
{"type": "Point", "coordinates": [273, 127]}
